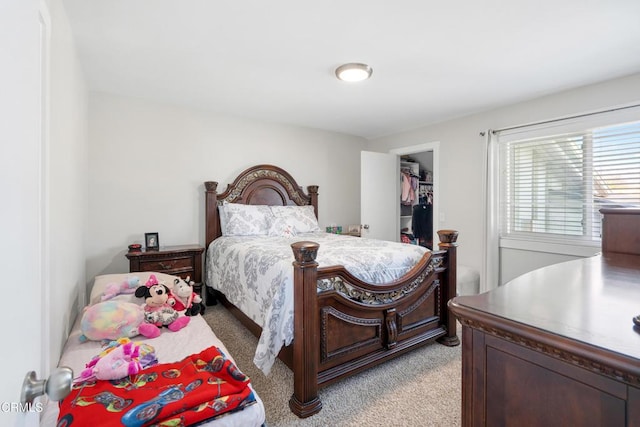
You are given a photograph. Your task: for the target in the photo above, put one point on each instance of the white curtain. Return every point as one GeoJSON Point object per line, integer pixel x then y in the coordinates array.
{"type": "Point", "coordinates": [490, 274]}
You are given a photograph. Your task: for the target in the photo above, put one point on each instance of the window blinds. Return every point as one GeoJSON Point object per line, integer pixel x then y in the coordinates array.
{"type": "Point", "coordinates": [552, 184]}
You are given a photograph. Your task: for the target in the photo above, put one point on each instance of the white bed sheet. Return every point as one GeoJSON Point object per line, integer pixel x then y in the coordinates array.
{"type": "Point", "coordinates": [255, 273]}
{"type": "Point", "coordinates": [170, 347]}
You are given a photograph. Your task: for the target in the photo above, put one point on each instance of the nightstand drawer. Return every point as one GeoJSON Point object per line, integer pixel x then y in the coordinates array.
{"type": "Point", "coordinates": [166, 264]}
{"type": "Point", "coordinates": [180, 261]}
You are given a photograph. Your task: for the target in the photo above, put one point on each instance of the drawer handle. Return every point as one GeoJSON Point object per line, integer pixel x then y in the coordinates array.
{"type": "Point", "coordinates": [165, 266]}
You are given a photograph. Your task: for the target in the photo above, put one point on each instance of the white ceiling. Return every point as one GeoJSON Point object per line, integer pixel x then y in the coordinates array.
{"type": "Point", "coordinates": [275, 60]}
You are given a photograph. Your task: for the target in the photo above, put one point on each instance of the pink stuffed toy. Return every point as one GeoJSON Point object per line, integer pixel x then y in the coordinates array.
{"type": "Point", "coordinates": [120, 359]}
{"type": "Point", "coordinates": [127, 287]}
{"type": "Point", "coordinates": [158, 311]}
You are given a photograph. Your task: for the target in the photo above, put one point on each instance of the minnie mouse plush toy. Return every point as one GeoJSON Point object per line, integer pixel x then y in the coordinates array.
{"type": "Point", "coordinates": [158, 310]}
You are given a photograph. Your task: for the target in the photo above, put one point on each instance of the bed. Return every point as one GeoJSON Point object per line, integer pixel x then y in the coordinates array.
{"type": "Point", "coordinates": [170, 347]}
{"type": "Point", "coordinates": [341, 324]}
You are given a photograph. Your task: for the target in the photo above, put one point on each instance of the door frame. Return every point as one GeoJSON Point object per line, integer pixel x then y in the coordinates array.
{"type": "Point", "coordinates": [435, 148]}
{"type": "Point", "coordinates": [45, 191]}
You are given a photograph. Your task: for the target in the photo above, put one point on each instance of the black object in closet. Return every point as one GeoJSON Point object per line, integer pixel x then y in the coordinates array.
{"type": "Point", "coordinates": [422, 224]}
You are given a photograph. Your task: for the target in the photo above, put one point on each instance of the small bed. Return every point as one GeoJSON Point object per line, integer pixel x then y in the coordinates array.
{"type": "Point", "coordinates": [170, 347]}
{"type": "Point", "coordinates": [309, 296]}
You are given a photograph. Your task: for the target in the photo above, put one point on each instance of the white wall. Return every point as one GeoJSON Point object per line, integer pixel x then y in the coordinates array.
{"type": "Point", "coordinates": [67, 179]}
{"type": "Point", "coordinates": [148, 162]}
{"type": "Point", "coordinates": [461, 153]}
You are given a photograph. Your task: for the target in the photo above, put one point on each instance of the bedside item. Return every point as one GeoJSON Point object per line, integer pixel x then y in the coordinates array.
{"type": "Point", "coordinates": [152, 240]}
{"type": "Point", "coordinates": [183, 261]}
{"type": "Point", "coordinates": [352, 230]}
{"type": "Point", "coordinates": [135, 247]}
{"type": "Point", "coordinates": [334, 229]}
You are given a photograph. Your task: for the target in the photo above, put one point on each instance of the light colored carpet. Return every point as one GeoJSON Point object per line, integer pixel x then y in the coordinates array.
{"type": "Point", "coordinates": [421, 388]}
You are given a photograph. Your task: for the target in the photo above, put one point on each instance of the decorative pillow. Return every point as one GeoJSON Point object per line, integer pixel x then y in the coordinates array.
{"type": "Point", "coordinates": [301, 218]}
{"type": "Point", "coordinates": [111, 320]}
{"type": "Point", "coordinates": [247, 220]}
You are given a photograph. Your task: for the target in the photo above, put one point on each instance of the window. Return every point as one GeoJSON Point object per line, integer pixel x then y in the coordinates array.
{"type": "Point", "coordinates": [552, 186]}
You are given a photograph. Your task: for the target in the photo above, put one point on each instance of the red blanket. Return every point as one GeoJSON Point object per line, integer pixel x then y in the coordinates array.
{"type": "Point", "coordinates": [198, 388]}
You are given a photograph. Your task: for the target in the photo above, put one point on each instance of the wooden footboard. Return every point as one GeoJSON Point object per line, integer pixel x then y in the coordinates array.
{"type": "Point", "coordinates": [343, 325]}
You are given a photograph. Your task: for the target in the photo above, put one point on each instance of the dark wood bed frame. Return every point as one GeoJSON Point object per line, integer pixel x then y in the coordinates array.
{"type": "Point", "coordinates": [335, 335]}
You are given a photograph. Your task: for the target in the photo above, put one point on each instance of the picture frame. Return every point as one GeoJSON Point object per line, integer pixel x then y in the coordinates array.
{"type": "Point", "coordinates": [354, 228]}
{"type": "Point", "coordinates": [151, 241]}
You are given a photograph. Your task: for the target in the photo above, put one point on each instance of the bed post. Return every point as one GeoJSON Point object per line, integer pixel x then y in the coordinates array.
{"type": "Point", "coordinates": [211, 212]}
{"type": "Point", "coordinates": [306, 342]}
{"type": "Point", "coordinates": [448, 243]}
{"type": "Point", "coordinates": [313, 193]}
{"type": "Point", "coordinates": [212, 230]}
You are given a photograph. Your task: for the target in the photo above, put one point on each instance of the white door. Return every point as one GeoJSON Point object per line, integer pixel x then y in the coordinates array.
{"type": "Point", "coordinates": [379, 195]}
{"type": "Point", "coordinates": [22, 224]}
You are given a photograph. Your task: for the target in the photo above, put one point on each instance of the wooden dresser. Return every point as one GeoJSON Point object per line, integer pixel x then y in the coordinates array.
{"type": "Point", "coordinates": [183, 261]}
{"type": "Point", "coordinates": [558, 346]}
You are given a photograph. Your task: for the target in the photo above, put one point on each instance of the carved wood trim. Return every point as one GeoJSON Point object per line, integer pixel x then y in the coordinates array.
{"type": "Point", "coordinates": [305, 252]}
{"type": "Point", "coordinates": [234, 192]}
{"type": "Point", "coordinates": [327, 311]}
{"type": "Point", "coordinates": [554, 352]}
{"type": "Point", "coordinates": [354, 292]}
{"type": "Point", "coordinates": [392, 328]}
{"type": "Point", "coordinates": [438, 312]}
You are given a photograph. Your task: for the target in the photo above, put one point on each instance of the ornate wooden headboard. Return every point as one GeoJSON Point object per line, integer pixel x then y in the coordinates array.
{"type": "Point", "coordinates": [258, 185]}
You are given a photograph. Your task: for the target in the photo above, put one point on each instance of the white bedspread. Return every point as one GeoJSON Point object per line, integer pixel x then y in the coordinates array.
{"type": "Point", "coordinates": [256, 275]}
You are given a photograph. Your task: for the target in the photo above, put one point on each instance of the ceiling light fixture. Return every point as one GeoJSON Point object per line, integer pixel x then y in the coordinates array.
{"type": "Point", "coordinates": [353, 72]}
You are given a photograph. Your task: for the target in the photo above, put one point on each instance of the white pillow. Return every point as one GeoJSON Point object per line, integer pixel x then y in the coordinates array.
{"type": "Point", "coordinates": [247, 220]}
{"type": "Point", "coordinates": [280, 228]}
{"type": "Point", "coordinates": [301, 218]}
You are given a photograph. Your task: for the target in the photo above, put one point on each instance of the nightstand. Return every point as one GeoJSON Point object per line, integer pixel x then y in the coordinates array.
{"type": "Point", "coordinates": [183, 261]}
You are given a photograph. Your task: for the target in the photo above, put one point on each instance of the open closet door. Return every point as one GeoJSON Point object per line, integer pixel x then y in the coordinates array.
{"type": "Point", "coordinates": [21, 225]}
{"type": "Point", "coordinates": [379, 195]}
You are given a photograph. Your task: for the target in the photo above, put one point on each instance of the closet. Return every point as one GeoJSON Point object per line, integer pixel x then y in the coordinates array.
{"type": "Point", "coordinates": [416, 201]}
